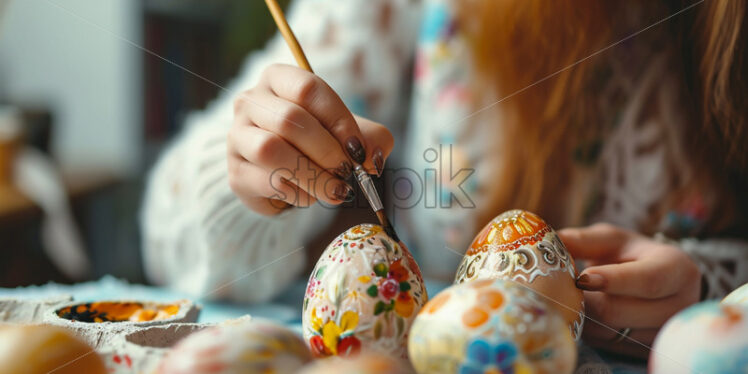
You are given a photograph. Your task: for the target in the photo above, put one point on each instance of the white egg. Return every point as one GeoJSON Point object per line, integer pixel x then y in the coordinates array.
{"type": "Point", "coordinates": [362, 295]}
{"type": "Point", "coordinates": [519, 246]}
{"type": "Point", "coordinates": [246, 346]}
{"type": "Point", "coordinates": [490, 326]}
{"type": "Point", "coordinates": [708, 337]}
{"type": "Point", "coordinates": [738, 296]}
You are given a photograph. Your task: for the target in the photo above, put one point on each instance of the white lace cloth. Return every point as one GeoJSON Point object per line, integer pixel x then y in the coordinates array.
{"type": "Point", "coordinates": [199, 238]}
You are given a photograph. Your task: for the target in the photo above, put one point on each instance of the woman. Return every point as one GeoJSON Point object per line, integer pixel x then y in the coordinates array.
{"type": "Point", "coordinates": [629, 113]}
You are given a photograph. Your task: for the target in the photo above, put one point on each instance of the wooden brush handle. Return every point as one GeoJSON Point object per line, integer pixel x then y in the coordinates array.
{"type": "Point", "coordinates": [285, 30]}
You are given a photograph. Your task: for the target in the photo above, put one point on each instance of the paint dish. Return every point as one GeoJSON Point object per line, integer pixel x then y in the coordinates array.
{"type": "Point", "coordinates": [118, 311]}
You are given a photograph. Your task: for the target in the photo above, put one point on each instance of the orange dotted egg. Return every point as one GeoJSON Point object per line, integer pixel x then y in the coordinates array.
{"type": "Point", "coordinates": [474, 317]}
{"type": "Point", "coordinates": [490, 298]}
{"type": "Point", "coordinates": [468, 324]}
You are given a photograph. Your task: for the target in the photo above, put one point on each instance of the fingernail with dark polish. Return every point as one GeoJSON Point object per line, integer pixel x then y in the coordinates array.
{"type": "Point", "coordinates": [355, 150]}
{"type": "Point", "coordinates": [378, 160]}
{"type": "Point", "coordinates": [344, 170]}
{"type": "Point", "coordinates": [343, 192]}
{"type": "Point", "coordinates": [591, 282]}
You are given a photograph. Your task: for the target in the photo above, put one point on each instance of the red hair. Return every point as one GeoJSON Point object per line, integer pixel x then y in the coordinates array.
{"type": "Point", "coordinates": [518, 43]}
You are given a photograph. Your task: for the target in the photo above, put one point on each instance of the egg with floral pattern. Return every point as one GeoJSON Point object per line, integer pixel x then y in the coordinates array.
{"type": "Point", "coordinates": [708, 337]}
{"type": "Point", "coordinates": [362, 295]}
{"type": "Point", "coordinates": [519, 246]}
{"type": "Point", "coordinates": [246, 346]}
{"type": "Point", "coordinates": [490, 326]}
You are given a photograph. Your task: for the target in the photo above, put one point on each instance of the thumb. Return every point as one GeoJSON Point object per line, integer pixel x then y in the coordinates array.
{"type": "Point", "coordinates": [597, 242]}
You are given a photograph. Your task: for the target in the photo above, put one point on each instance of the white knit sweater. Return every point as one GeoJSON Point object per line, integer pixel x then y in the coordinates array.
{"type": "Point", "coordinates": [199, 238]}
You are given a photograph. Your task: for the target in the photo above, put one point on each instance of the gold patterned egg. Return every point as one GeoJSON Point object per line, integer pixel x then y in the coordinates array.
{"type": "Point", "coordinates": [519, 246]}
{"type": "Point", "coordinates": [362, 295]}
{"type": "Point", "coordinates": [46, 349]}
{"type": "Point", "coordinates": [490, 326]}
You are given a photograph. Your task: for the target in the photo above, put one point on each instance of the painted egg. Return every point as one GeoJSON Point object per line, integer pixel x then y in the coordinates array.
{"type": "Point", "coordinates": [708, 337]}
{"type": "Point", "coordinates": [244, 346]}
{"type": "Point", "coordinates": [738, 296]}
{"type": "Point", "coordinates": [362, 295]}
{"type": "Point", "coordinates": [366, 363]}
{"type": "Point", "coordinates": [519, 246]}
{"type": "Point", "coordinates": [490, 326]}
{"type": "Point", "coordinates": [45, 349]}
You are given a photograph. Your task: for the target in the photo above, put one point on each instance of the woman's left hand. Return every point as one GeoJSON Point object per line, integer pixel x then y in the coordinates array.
{"type": "Point", "coordinates": [630, 281]}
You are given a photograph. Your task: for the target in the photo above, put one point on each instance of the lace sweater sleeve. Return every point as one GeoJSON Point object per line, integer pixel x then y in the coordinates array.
{"type": "Point", "coordinates": [723, 263]}
{"type": "Point", "coordinates": [198, 237]}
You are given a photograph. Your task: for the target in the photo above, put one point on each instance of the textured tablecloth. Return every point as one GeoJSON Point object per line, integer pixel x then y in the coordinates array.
{"type": "Point", "coordinates": [285, 309]}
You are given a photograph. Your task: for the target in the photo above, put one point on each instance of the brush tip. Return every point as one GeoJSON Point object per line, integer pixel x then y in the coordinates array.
{"type": "Point", "coordinates": [391, 232]}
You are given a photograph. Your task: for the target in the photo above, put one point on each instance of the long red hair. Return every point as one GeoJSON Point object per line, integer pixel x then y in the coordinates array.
{"type": "Point", "coordinates": [519, 43]}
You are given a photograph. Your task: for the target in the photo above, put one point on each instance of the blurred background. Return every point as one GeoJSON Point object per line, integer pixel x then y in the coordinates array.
{"type": "Point", "coordinates": [84, 113]}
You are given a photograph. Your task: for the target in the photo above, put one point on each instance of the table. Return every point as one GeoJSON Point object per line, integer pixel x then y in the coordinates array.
{"type": "Point", "coordinates": [285, 309]}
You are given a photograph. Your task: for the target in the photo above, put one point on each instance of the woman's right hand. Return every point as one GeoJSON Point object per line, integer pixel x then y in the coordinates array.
{"type": "Point", "coordinates": [293, 140]}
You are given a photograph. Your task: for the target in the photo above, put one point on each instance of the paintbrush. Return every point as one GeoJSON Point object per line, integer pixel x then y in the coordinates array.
{"type": "Point", "coordinates": [363, 178]}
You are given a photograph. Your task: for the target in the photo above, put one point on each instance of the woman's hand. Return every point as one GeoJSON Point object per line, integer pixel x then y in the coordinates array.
{"type": "Point", "coordinates": [292, 141]}
{"type": "Point", "coordinates": [630, 281]}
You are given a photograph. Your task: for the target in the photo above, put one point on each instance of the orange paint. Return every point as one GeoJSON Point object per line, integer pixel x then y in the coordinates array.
{"type": "Point", "coordinates": [107, 311]}
{"type": "Point", "coordinates": [506, 230]}
{"type": "Point", "coordinates": [436, 303]}
{"type": "Point", "coordinates": [481, 283]}
{"type": "Point", "coordinates": [491, 298]}
{"type": "Point", "coordinates": [474, 317]}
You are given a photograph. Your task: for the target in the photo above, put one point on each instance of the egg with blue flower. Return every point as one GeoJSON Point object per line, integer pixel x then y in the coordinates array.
{"type": "Point", "coordinates": [487, 326]}
{"type": "Point", "coordinates": [362, 295]}
{"type": "Point", "coordinates": [708, 337]}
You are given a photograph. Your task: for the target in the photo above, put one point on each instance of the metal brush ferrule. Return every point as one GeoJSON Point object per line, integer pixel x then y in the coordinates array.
{"type": "Point", "coordinates": [367, 186]}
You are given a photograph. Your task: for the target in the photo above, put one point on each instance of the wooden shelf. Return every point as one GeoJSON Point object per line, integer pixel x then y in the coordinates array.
{"type": "Point", "coordinates": [14, 204]}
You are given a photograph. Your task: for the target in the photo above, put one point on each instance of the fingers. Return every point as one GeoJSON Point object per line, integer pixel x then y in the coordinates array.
{"type": "Point", "coordinates": [277, 189]}
{"type": "Point", "coordinates": [294, 128]}
{"type": "Point", "coordinates": [620, 311]}
{"type": "Point", "coordinates": [313, 94]}
{"type": "Point", "coordinates": [383, 142]}
{"type": "Point", "coordinates": [636, 343]}
{"type": "Point", "coordinates": [644, 278]}
{"type": "Point", "coordinates": [660, 271]}
{"type": "Point", "coordinates": [596, 242]}
{"type": "Point", "coordinates": [603, 333]}
{"type": "Point", "coordinates": [298, 127]}
{"type": "Point", "coordinates": [241, 175]}
{"type": "Point", "coordinates": [282, 161]}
